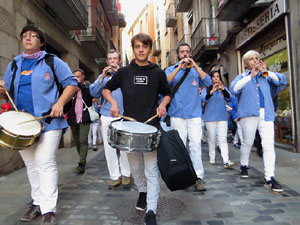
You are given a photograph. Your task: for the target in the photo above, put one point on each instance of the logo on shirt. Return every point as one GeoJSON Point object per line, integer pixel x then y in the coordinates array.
{"type": "Point", "coordinates": [141, 80]}
{"type": "Point", "coordinates": [194, 83]}
{"type": "Point", "coordinates": [47, 76]}
{"type": "Point", "coordinates": [26, 72]}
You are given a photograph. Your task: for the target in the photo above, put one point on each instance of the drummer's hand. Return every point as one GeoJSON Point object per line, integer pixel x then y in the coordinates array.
{"type": "Point", "coordinates": [57, 110]}
{"type": "Point", "coordinates": [114, 110]}
{"type": "Point", "coordinates": [2, 86]}
{"type": "Point", "coordinates": [161, 110]}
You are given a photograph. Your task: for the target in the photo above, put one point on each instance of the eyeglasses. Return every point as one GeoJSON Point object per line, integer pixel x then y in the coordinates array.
{"type": "Point", "coordinates": [30, 35]}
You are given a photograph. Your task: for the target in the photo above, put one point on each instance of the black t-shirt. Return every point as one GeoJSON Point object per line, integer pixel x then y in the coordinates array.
{"type": "Point", "coordinates": [140, 87]}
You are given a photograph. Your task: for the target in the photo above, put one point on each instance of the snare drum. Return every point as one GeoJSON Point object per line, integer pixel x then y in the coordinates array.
{"type": "Point", "coordinates": [17, 135]}
{"type": "Point", "coordinates": [133, 136]}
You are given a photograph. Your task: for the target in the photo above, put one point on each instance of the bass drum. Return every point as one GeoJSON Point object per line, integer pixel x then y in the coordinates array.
{"type": "Point", "coordinates": [15, 134]}
{"type": "Point", "coordinates": [133, 136]}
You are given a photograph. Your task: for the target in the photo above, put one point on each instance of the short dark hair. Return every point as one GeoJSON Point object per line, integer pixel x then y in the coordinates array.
{"type": "Point", "coordinates": [182, 44]}
{"type": "Point", "coordinates": [144, 38]}
{"type": "Point", "coordinates": [111, 51]}
{"type": "Point", "coordinates": [79, 70]}
{"type": "Point", "coordinates": [36, 29]}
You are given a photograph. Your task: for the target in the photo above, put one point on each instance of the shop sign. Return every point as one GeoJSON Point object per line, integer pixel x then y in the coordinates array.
{"type": "Point", "coordinates": [274, 45]}
{"type": "Point", "coordinates": [275, 10]}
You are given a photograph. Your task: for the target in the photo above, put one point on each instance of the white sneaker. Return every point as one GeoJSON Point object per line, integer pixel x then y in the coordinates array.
{"type": "Point", "coordinates": [229, 164]}
{"type": "Point", "coordinates": [212, 161]}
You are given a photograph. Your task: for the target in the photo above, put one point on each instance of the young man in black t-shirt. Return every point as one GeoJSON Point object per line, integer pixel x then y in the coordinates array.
{"type": "Point", "coordinates": [141, 82]}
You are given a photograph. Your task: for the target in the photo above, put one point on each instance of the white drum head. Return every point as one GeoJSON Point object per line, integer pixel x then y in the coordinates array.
{"type": "Point", "coordinates": [12, 122]}
{"type": "Point", "coordinates": [134, 127]}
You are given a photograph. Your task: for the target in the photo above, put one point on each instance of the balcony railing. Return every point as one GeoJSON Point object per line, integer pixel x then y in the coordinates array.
{"type": "Point", "coordinates": [186, 38]}
{"type": "Point", "coordinates": [95, 38]}
{"type": "Point", "coordinates": [111, 10]}
{"type": "Point", "coordinates": [233, 10]}
{"type": "Point", "coordinates": [156, 47]}
{"type": "Point", "coordinates": [171, 19]}
{"type": "Point", "coordinates": [206, 35]}
{"type": "Point", "coordinates": [72, 13]}
{"type": "Point", "coordinates": [183, 5]}
{"type": "Point", "coordinates": [171, 57]}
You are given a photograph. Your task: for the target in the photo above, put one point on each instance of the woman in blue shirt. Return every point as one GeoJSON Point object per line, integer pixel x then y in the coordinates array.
{"type": "Point", "coordinates": [216, 119]}
{"type": "Point", "coordinates": [36, 93]}
{"type": "Point", "coordinates": [256, 112]}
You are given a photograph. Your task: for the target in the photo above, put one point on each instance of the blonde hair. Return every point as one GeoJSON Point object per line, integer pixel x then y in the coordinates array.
{"type": "Point", "coordinates": [248, 54]}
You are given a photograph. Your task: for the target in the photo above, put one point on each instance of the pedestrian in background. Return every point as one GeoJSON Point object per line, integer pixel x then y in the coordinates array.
{"type": "Point", "coordinates": [238, 136]}
{"type": "Point", "coordinates": [34, 91]}
{"type": "Point", "coordinates": [141, 82]}
{"type": "Point", "coordinates": [185, 109]}
{"type": "Point", "coordinates": [118, 166]}
{"type": "Point", "coordinates": [79, 119]}
{"type": "Point", "coordinates": [256, 111]}
{"type": "Point", "coordinates": [216, 118]}
{"type": "Point", "coordinates": [94, 134]}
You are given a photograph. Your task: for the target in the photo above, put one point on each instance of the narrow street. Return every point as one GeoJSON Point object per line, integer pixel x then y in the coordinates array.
{"type": "Point", "coordinates": [229, 199]}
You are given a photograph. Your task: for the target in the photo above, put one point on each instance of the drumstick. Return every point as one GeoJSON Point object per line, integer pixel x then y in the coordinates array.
{"type": "Point", "coordinates": [127, 118]}
{"type": "Point", "coordinates": [38, 118]}
{"type": "Point", "coordinates": [12, 102]}
{"type": "Point", "coordinates": [151, 118]}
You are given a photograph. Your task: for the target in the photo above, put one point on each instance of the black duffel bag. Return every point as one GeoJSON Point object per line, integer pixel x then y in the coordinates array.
{"type": "Point", "coordinates": [174, 162]}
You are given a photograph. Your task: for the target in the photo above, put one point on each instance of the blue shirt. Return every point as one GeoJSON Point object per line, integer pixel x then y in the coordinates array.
{"type": "Point", "coordinates": [25, 93]}
{"type": "Point", "coordinates": [187, 102]}
{"type": "Point", "coordinates": [96, 91]}
{"type": "Point", "coordinates": [248, 96]}
{"type": "Point", "coordinates": [215, 109]}
{"type": "Point", "coordinates": [44, 89]}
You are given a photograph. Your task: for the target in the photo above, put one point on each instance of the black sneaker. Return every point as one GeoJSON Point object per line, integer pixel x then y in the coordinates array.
{"type": "Point", "coordinates": [80, 169]}
{"type": "Point", "coordinates": [273, 184]}
{"type": "Point", "coordinates": [244, 171]}
{"type": "Point", "coordinates": [141, 203]}
{"type": "Point", "coordinates": [150, 218]}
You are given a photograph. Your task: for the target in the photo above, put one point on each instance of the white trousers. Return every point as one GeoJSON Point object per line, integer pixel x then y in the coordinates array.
{"type": "Point", "coordinates": [238, 134]}
{"type": "Point", "coordinates": [144, 169]}
{"type": "Point", "coordinates": [266, 130]}
{"type": "Point", "coordinates": [40, 162]}
{"type": "Point", "coordinates": [93, 134]}
{"type": "Point", "coordinates": [220, 128]}
{"type": "Point", "coordinates": [191, 129]}
{"type": "Point", "coordinates": [115, 168]}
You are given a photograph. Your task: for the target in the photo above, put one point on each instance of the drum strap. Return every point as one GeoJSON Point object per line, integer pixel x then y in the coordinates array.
{"type": "Point", "coordinates": [14, 68]}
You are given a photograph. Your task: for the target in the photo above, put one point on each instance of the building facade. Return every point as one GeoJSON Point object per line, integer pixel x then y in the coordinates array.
{"type": "Point", "coordinates": [144, 23]}
{"type": "Point", "coordinates": [221, 31]}
{"type": "Point", "coordinates": [78, 31]}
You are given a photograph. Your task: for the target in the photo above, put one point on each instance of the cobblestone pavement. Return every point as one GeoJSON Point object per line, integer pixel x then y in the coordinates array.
{"type": "Point", "coordinates": [229, 199]}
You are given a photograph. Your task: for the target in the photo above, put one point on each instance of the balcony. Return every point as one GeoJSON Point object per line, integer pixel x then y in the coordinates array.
{"type": "Point", "coordinates": [171, 19]}
{"type": "Point", "coordinates": [94, 38]}
{"type": "Point", "coordinates": [111, 11]}
{"type": "Point", "coordinates": [233, 10]}
{"type": "Point", "coordinates": [171, 57]}
{"type": "Point", "coordinates": [72, 13]}
{"type": "Point", "coordinates": [183, 5]}
{"type": "Point", "coordinates": [186, 38]}
{"type": "Point", "coordinates": [205, 40]}
{"type": "Point", "coordinates": [121, 20]}
{"type": "Point", "coordinates": [156, 48]}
